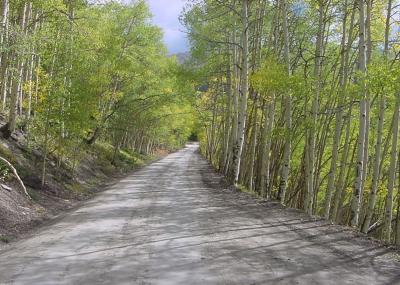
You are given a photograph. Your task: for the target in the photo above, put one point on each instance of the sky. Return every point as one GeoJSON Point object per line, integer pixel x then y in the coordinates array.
{"type": "Point", "coordinates": [166, 15]}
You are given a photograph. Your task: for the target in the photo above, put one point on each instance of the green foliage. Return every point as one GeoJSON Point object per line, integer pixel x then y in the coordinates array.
{"type": "Point", "coordinates": [271, 77]}
{"type": "Point", "coordinates": [123, 159]}
{"type": "Point", "coordinates": [97, 72]}
{"type": "Point", "coordinates": [311, 97]}
{"type": "Point", "coordinates": [383, 79]}
{"type": "Point", "coordinates": [6, 239]}
{"type": "Point", "coordinates": [76, 188]}
{"type": "Point", "coordinates": [4, 171]}
{"type": "Point", "coordinates": [34, 195]}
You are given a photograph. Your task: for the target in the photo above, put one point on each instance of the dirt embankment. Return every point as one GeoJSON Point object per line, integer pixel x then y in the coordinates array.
{"type": "Point", "coordinates": [65, 185]}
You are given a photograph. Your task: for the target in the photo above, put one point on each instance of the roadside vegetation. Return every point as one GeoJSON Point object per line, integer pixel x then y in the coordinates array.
{"type": "Point", "coordinates": [87, 91]}
{"type": "Point", "coordinates": [300, 100]}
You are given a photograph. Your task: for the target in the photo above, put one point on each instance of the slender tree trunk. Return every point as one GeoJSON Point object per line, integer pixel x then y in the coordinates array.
{"type": "Point", "coordinates": [368, 46]}
{"type": "Point", "coordinates": [253, 148]}
{"type": "Point", "coordinates": [16, 176]}
{"type": "Point", "coordinates": [265, 149]}
{"type": "Point", "coordinates": [378, 146]}
{"type": "Point", "coordinates": [338, 120]}
{"type": "Point", "coordinates": [4, 43]}
{"type": "Point", "coordinates": [342, 170]}
{"type": "Point", "coordinates": [288, 112]}
{"type": "Point", "coordinates": [225, 152]}
{"type": "Point", "coordinates": [4, 85]}
{"type": "Point", "coordinates": [9, 128]}
{"type": "Point", "coordinates": [235, 101]}
{"type": "Point", "coordinates": [314, 113]}
{"type": "Point", "coordinates": [368, 31]}
{"type": "Point", "coordinates": [4, 22]}
{"type": "Point", "coordinates": [362, 66]}
{"type": "Point", "coordinates": [238, 146]}
{"type": "Point", "coordinates": [376, 170]}
{"type": "Point", "coordinates": [45, 146]}
{"type": "Point", "coordinates": [387, 27]}
{"type": "Point", "coordinates": [392, 173]}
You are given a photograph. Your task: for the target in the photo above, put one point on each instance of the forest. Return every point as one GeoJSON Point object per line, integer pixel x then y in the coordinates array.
{"type": "Point", "coordinates": [299, 102]}
{"type": "Point", "coordinates": [75, 72]}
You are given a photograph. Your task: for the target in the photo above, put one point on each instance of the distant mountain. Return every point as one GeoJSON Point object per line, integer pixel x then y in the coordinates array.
{"type": "Point", "coordinates": [182, 57]}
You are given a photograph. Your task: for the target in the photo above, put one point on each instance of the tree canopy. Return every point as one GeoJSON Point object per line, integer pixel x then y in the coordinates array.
{"type": "Point", "coordinates": [75, 72]}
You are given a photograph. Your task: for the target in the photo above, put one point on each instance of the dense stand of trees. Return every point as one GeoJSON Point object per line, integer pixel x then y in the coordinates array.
{"type": "Point", "coordinates": [302, 103]}
{"type": "Point", "coordinates": [73, 72]}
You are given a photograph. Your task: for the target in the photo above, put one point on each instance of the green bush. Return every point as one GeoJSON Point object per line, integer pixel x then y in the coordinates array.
{"type": "Point", "coordinates": [4, 171]}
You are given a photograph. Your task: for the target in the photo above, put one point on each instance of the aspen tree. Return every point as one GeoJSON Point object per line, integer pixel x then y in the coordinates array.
{"type": "Point", "coordinates": [244, 89]}
{"type": "Point", "coordinates": [392, 174]}
{"type": "Point", "coordinates": [9, 128]}
{"type": "Point", "coordinates": [362, 66]}
{"type": "Point", "coordinates": [288, 111]}
{"type": "Point", "coordinates": [311, 139]}
{"type": "Point", "coordinates": [378, 146]}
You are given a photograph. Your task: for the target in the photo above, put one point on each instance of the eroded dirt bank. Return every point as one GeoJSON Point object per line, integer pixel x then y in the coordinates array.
{"type": "Point", "coordinates": [66, 186]}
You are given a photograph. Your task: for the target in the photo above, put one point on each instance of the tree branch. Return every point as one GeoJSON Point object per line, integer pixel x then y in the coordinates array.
{"type": "Point", "coordinates": [16, 176]}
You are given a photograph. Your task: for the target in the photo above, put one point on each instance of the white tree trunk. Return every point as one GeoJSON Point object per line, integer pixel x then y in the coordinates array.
{"type": "Point", "coordinates": [265, 148]}
{"type": "Point", "coordinates": [392, 174]}
{"type": "Point", "coordinates": [338, 119]}
{"type": "Point", "coordinates": [238, 146]}
{"type": "Point", "coordinates": [16, 176]}
{"type": "Point", "coordinates": [362, 66]}
{"type": "Point", "coordinates": [314, 113]}
{"type": "Point", "coordinates": [378, 147]}
{"type": "Point", "coordinates": [288, 111]}
{"type": "Point", "coordinates": [376, 170]}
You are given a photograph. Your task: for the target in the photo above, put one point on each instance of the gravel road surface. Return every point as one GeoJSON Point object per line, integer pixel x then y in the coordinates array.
{"type": "Point", "coordinates": [174, 222]}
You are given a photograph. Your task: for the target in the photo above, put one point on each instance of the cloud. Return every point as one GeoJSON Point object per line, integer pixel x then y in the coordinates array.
{"type": "Point", "coordinates": [166, 15]}
{"type": "Point", "coordinates": [175, 41]}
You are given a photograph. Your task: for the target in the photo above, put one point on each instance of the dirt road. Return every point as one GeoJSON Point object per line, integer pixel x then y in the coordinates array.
{"type": "Point", "coordinates": [173, 223]}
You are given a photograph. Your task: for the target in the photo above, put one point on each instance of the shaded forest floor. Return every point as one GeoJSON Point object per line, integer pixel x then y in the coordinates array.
{"type": "Point", "coordinates": [373, 236]}
{"type": "Point", "coordinates": [63, 190]}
